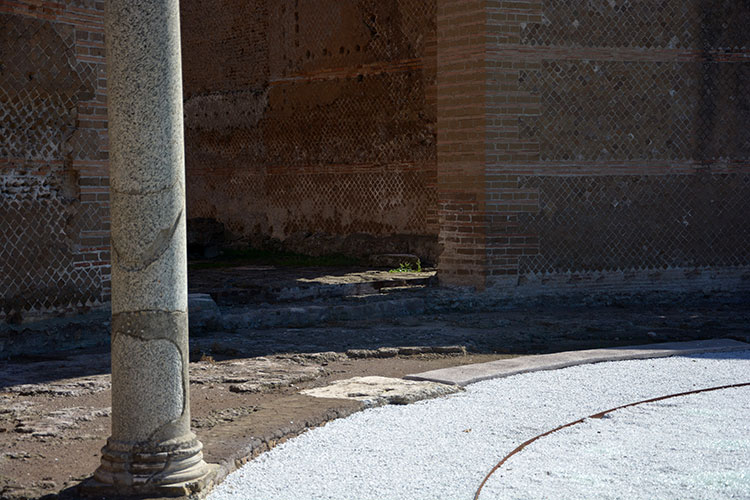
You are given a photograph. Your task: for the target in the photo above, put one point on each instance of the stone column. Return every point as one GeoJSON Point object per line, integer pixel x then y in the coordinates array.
{"type": "Point", "coordinates": [151, 451]}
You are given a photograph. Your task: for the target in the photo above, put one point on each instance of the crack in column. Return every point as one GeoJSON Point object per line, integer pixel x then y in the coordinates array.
{"type": "Point", "coordinates": [152, 253]}
{"type": "Point", "coordinates": [147, 339]}
{"type": "Point", "coordinates": [185, 391]}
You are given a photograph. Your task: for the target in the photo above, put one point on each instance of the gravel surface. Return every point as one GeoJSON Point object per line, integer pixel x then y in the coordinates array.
{"type": "Point", "coordinates": [442, 449]}
{"type": "Point", "coordinates": [668, 449]}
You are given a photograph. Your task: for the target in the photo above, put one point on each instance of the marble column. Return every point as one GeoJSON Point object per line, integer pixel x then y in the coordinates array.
{"type": "Point", "coordinates": [151, 451]}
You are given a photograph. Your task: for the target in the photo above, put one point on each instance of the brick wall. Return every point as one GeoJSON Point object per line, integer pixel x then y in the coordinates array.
{"type": "Point", "coordinates": [311, 116]}
{"type": "Point", "coordinates": [462, 124]}
{"type": "Point", "coordinates": [617, 144]}
{"type": "Point", "coordinates": [54, 222]}
{"type": "Point", "coordinates": [550, 144]}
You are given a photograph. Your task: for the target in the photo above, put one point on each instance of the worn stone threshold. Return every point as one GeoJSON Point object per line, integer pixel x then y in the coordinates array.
{"type": "Point", "coordinates": [469, 374]}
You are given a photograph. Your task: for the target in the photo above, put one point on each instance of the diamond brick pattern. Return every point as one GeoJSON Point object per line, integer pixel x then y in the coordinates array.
{"type": "Point", "coordinates": [39, 88]}
{"type": "Point", "coordinates": [397, 129]}
{"type": "Point", "coordinates": [333, 202]}
{"type": "Point", "coordinates": [612, 110]}
{"type": "Point", "coordinates": [621, 223]}
{"type": "Point", "coordinates": [712, 25]}
{"type": "Point", "coordinates": [656, 89]}
{"type": "Point", "coordinates": [235, 197]}
{"type": "Point", "coordinates": [333, 129]}
{"type": "Point", "coordinates": [37, 262]}
{"type": "Point", "coordinates": [48, 261]}
{"type": "Point", "coordinates": [390, 202]}
{"type": "Point", "coordinates": [402, 29]}
{"type": "Point", "coordinates": [85, 144]}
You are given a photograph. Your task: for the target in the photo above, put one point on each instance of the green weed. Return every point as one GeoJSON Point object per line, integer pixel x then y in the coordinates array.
{"type": "Point", "coordinates": [407, 267]}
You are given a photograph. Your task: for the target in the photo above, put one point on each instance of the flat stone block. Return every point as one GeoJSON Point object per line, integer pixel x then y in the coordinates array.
{"type": "Point", "coordinates": [378, 391]}
{"type": "Point", "coordinates": [468, 374]}
{"type": "Point", "coordinates": [202, 310]}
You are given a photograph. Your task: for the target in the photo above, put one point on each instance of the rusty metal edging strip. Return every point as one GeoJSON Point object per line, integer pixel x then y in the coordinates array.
{"type": "Point", "coordinates": [596, 415]}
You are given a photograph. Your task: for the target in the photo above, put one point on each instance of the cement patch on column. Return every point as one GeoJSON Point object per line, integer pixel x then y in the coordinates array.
{"type": "Point", "coordinates": [378, 391]}
{"type": "Point", "coordinates": [468, 374]}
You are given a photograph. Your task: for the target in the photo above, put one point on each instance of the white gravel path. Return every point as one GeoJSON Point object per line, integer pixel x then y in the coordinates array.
{"type": "Point", "coordinates": [442, 449]}
{"type": "Point", "coordinates": [669, 449]}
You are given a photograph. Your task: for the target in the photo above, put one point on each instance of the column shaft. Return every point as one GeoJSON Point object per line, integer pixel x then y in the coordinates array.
{"type": "Point", "coordinates": [151, 449]}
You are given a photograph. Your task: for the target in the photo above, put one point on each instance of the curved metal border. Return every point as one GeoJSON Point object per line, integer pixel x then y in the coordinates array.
{"type": "Point", "coordinates": [596, 415]}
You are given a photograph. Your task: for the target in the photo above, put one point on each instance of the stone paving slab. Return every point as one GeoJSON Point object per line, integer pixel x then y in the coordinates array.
{"type": "Point", "coordinates": [468, 374]}
{"type": "Point", "coordinates": [377, 391]}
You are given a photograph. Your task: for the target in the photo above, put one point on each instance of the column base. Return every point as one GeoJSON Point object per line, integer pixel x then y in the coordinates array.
{"type": "Point", "coordinates": [166, 472]}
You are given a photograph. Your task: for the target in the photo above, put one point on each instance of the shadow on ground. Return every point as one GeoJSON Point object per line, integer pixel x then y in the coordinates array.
{"type": "Point", "coordinates": [257, 310]}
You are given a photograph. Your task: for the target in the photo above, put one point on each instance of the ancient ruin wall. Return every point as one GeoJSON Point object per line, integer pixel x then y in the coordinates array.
{"type": "Point", "coordinates": [620, 145]}
{"type": "Point", "coordinates": [54, 224]}
{"type": "Point", "coordinates": [311, 116]}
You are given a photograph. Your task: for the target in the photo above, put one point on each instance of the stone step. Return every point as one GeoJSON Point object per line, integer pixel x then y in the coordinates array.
{"type": "Point", "coordinates": [309, 315]}
{"type": "Point", "coordinates": [260, 297]}
{"type": "Point", "coordinates": [264, 284]}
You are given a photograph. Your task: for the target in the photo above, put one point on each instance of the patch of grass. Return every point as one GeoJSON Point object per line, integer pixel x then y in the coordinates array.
{"type": "Point", "coordinates": [205, 358]}
{"type": "Point", "coordinates": [252, 256]}
{"type": "Point", "coordinates": [408, 267]}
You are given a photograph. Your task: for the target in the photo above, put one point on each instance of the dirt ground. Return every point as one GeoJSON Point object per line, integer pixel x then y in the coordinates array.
{"type": "Point", "coordinates": [51, 431]}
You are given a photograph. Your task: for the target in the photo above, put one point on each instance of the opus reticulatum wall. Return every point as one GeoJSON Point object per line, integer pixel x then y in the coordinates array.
{"type": "Point", "coordinates": [539, 145]}
{"type": "Point", "coordinates": [54, 220]}
{"type": "Point", "coordinates": [311, 116]}
{"type": "Point", "coordinates": [594, 144]}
